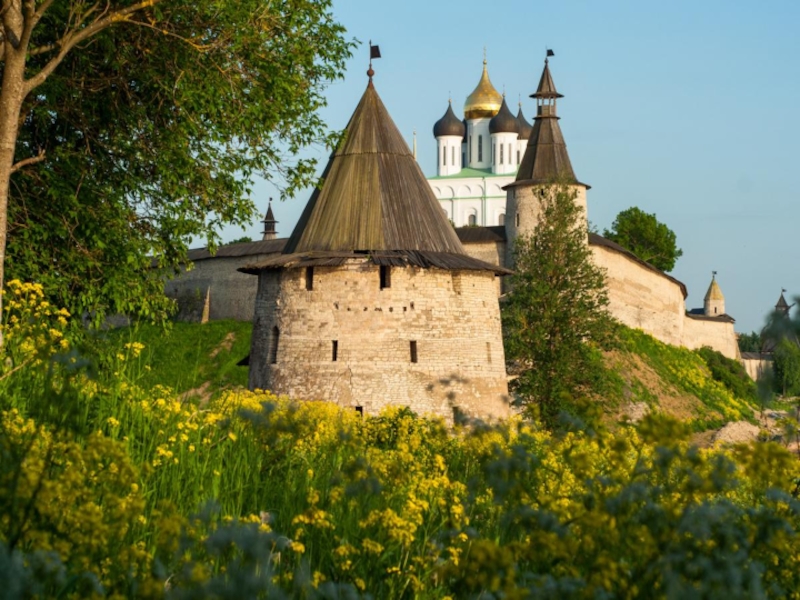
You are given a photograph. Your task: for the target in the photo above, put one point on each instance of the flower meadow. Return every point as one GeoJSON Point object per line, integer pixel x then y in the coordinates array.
{"type": "Point", "coordinates": [109, 489]}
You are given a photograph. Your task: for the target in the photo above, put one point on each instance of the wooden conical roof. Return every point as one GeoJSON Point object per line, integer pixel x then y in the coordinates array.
{"type": "Point", "coordinates": [374, 196]}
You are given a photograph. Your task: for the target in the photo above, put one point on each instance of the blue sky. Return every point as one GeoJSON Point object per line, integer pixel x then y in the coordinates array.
{"type": "Point", "coordinates": [686, 109]}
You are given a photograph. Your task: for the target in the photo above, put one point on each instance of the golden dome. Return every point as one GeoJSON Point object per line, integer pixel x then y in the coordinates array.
{"type": "Point", "coordinates": [484, 101]}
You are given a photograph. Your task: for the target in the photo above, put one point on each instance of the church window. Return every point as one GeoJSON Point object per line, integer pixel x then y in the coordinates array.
{"type": "Point", "coordinates": [463, 158]}
{"type": "Point", "coordinates": [453, 155]}
{"type": "Point", "coordinates": [309, 278]}
{"type": "Point", "coordinates": [501, 220]}
{"type": "Point", "coordinates": [385, 276]}
{"type": "Point", "coordinates": [413, 348]}
{"type": "Point", "coordinates": [335, 350]}
{"type": "Point", "coordinates": [273, 345]}
{"type": "Point", "coordinates": [444, 155]}
{"type": "Point", "coordinates": [472, 220]}
{"type": "Point", "coordinates": [509, 154]}
{"type": "Point", "coordinates": [517, 156]}
{"type": "Point", "coordinates": [501, 154]}
{"type": "Point", "coordinates": [480, 148]}
{"type": "Point", "coordinates": [470, 147]}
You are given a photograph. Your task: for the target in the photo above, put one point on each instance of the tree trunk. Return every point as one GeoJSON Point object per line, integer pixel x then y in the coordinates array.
{"type": "Point", "coordinates": [11, 97]}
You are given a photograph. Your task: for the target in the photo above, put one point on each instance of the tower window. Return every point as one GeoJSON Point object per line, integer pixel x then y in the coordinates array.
{"type": "Point", "coordinates": [309, 278]}
{"type": "Point", "coordinates": [480, 148]}
{"type": "Point", "coordinates": [413, 348]}
{"type": "Point", "coordinates": [489, 352]}
{"type": "Point", "coordinates": [517, 219]}
{"type": "Point", "coordinates": [273, 345]}
{"type": "Point", "coordinates": [335, 350]}
{"type": "Point", "coordinates": [360, 411]}
{"type": "Point", "coordinates": [385, 276]}
{"type": "Point", "coordinates": [501, 154]}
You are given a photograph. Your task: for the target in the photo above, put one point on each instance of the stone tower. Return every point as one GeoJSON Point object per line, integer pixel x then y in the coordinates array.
{"type": "Point", "coordinates": [714, 301]}
{"type": "Point", "coordinates": [545, 162]}
{"type": "Point", "coordinates": [374, 301]}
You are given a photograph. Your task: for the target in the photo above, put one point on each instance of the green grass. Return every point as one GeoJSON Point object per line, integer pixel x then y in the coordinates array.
{"type": "Point", "coordinates": [186, 355]}
{"type": "Point", "coordinates": [689, 373]}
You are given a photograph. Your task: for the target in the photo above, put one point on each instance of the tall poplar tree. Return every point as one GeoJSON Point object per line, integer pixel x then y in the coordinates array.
{"type": "Point", "coordinates": [129, 126]}
{"type": "Point", "coordinates": [555, 314]}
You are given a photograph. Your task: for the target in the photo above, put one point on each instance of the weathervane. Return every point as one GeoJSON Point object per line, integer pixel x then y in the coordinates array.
{"type": "Point", "coordinates": [548, 54]}
{"type": "Point", "coordinates": [374, 52]}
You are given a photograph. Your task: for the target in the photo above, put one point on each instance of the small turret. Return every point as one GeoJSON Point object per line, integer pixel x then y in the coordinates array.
{"type": "Point", "coordinates": [714, 301]}
{"type": "Point", "coordinates": [269, 224]}
{"type": "Point", "coordinates": [503, 129]}
{"type": "Point", "coordinates": [449, 133]}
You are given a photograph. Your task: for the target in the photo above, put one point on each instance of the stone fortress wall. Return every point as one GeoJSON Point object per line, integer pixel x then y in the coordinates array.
{"type": "Point", "coordinates": [358, 345]}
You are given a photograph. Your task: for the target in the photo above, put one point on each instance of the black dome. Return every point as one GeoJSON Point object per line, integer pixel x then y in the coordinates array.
{"type": "Point", "coordinates": [449, 125]}
{"type": "Point", "coordinates": [503, 121]}
{"type": "Point", "coordinates": [524, 128]}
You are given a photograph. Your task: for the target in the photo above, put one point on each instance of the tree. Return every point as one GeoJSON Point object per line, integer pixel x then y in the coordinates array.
{"type": "Point", "coordinates": [786, 365]}
{"type": "Point", "coordinates": [127, 127]}
{"type": "Point", "coordinates": [749, 342]}
{"type": "Point", "coordinates": [555, 314]}
{"type": "Point", "coordinates": [646, 237]}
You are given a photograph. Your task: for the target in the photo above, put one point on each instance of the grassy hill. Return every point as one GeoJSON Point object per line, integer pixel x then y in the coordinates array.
{"type": "Point", "coordinates": [191, 358]}
{"type": "Point", "coordinates": [701, 387]}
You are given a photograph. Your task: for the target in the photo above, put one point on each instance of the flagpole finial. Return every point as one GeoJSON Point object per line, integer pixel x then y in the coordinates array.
{"type": "Point", "coordinates": [374, 52]}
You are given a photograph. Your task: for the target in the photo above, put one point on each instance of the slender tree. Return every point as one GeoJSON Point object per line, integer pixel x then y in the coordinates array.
{"type": "Point", "coordinates": [127, 127]}
{"type": "Point", "coordinates": [555, 314]}
{"type": "Point", "coordinates": [646, 237]}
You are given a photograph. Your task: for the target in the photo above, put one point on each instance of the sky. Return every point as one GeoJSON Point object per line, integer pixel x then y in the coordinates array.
{"type": "Point", "coordinates": [686, 109]}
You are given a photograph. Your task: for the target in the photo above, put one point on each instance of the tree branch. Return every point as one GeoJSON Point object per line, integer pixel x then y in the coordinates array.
{"type": "Point", "coordinates": [28, 161]}
{"type": "Point", "coordinates": [69, 41]}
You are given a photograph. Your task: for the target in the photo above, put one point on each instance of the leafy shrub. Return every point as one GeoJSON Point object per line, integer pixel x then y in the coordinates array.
{"type": "Point", "coordinates": [729, 373]}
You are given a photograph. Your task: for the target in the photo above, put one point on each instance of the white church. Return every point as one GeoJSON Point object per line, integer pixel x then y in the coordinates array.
{"type": "Point", "coordinates": [476, 157]}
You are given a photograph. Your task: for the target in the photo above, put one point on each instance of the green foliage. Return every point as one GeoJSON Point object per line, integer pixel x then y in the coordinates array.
{"type": "Point", "coordinates": [310, 500]}
{"type": "Point", "coordinates": [786, 366]}
{"type": "Point", "coordinates": [152, 133]}
{"type": "Point", "coordinates": [688, 372]}
{"type": "Point", "coordinates": [729, 373]}
{"type": "Point", "coordinates": [242, 240]}
{"type": "Point", "coordinates": [749, 342]}
{"type": "Point", "coordinates": [183, 356]}
{"type": "Point", "coordinates": [555, 312]}
{"type": "Point", "coordinates": [646, 237]}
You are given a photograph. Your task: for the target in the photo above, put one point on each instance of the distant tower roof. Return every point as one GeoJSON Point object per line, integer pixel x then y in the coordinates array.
{"type": "Point", "coordinates": [484, 101]}
{"type": "Point", "coordinates": [449, 124]}
{"type": "Point", "coordinates": [714, 292]}
{"type": "Point", "coordinates": [504, 121]}
{"type": "Point", "coordinates": [523, 125]}
{"type": "Point", "coordinates": [782, 306]}
{"type": "Point", "coordinates": [546, 159]}
{"type": "Point", "coordinates": [546, 89]}
{"type": "Point", "coordinates": [374, 195]}
{"type": "Point", "coordinates": [269, 221]}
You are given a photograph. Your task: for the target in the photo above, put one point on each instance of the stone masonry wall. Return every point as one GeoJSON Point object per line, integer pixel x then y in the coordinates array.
{"type": "Point", "coordinates": [641, 298]}
{"type": "Point", "coordinates": [453, 317]}
{"type": "Point", "coordinates": [718, 335]}
{"type": "Point", "coordinates": [490, 252]}
{"type": "Point", "coordinates": [230, 294]}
